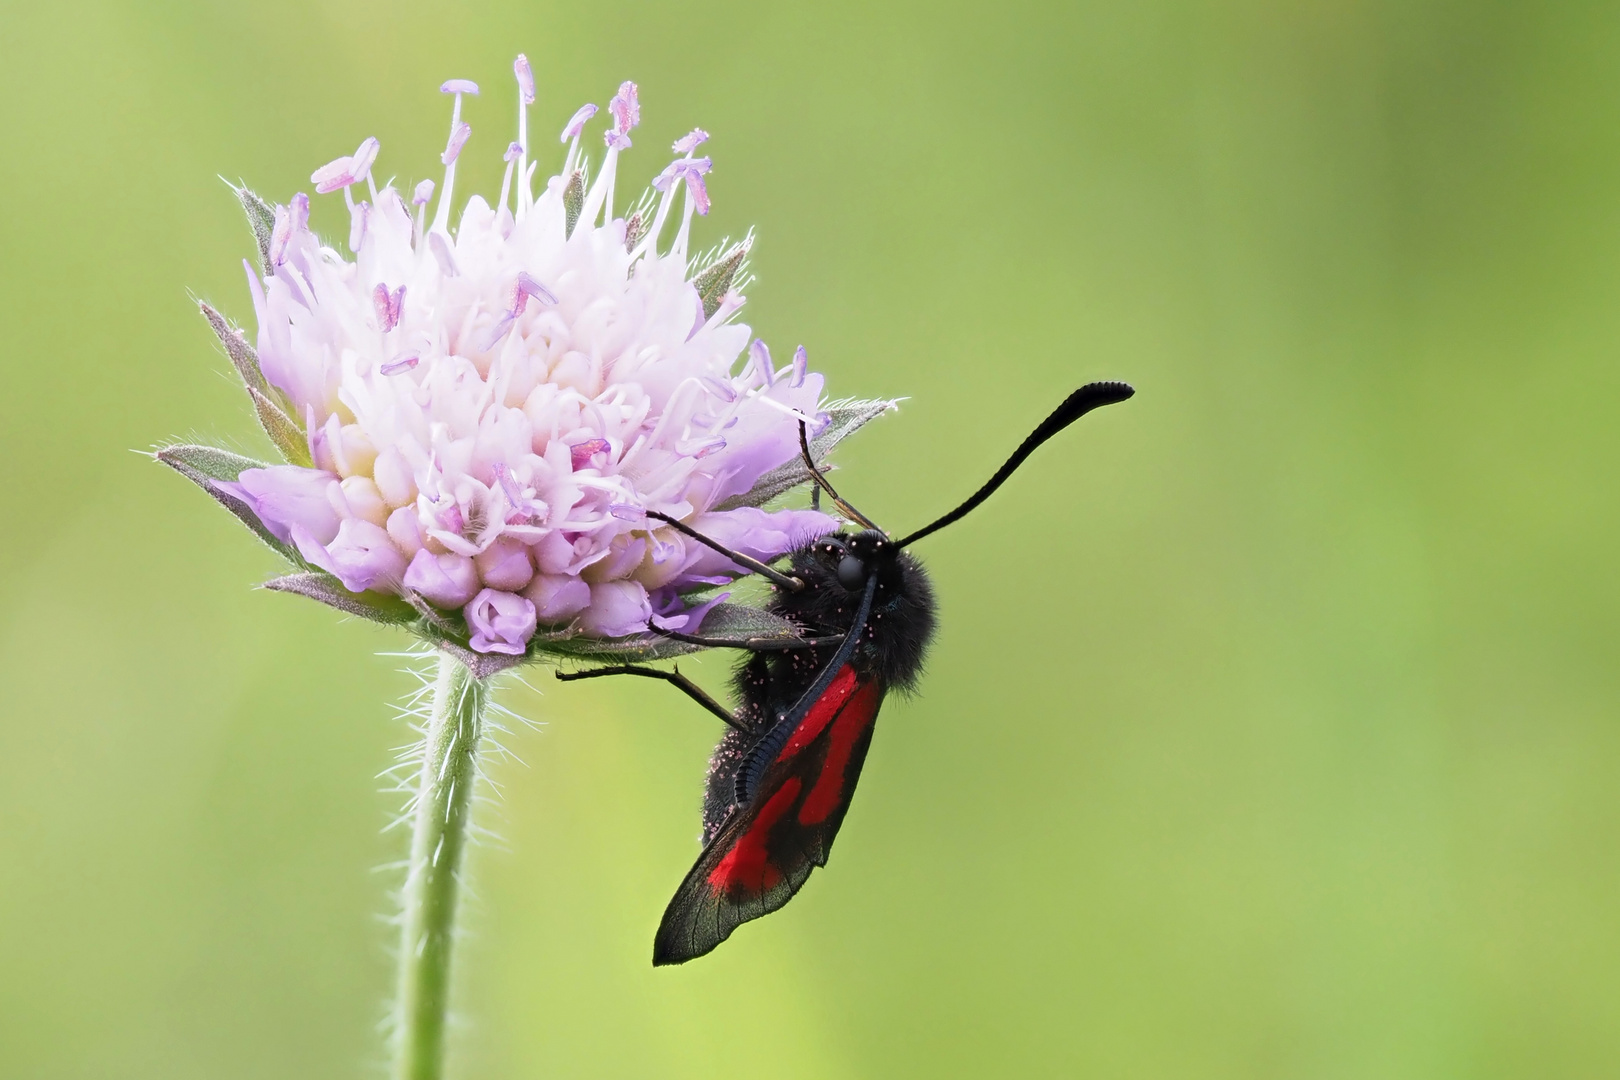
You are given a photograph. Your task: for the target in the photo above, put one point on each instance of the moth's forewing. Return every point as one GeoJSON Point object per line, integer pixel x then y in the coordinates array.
{"type": "Point", "coordinates": [766, 850]}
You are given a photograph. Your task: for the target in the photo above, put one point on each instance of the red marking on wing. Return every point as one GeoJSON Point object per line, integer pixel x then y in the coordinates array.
{"type": "Point", "coordinates": [852, 720]}
{"type": "Point", "coordinates": [821, 713]}
{"type": "Point", "coordinates": [748, 865]}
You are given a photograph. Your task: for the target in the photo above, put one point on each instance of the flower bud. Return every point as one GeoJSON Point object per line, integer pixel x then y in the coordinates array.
{"type": "Point", "coordinates": [447, 580]}
{"type": "Point", "coordinates": [287, 495]}
{"type": "Point", "coordinates": [505, 565]}
{"type": "Point", "coordinates": [501, 622]}
{"type": "Point", "coordinates": [557, 597]}
{"type": "Point", "coordinates": [617, 608]}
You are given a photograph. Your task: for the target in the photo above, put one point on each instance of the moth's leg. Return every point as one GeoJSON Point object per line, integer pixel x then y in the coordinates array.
{"type": "Point", "coordinates": [755, 644]}
{"type": "Point", "coordinates": [674, 678]}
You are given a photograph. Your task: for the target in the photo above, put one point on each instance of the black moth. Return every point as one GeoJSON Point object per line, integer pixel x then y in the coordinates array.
{"type": "Point", "coordinates": [781, 779]}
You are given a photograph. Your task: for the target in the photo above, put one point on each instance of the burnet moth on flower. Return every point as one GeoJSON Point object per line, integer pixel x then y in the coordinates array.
{"type": "Point", "coordinates": [781, 779]}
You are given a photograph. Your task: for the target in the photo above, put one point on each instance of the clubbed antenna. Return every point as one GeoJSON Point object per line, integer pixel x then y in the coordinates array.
{"type": "Point", "coordinates": [1088, 397]}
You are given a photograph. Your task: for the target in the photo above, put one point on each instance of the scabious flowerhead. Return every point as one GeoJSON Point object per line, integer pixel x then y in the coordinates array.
{"type": "Point", "coordinates": [477, 419]}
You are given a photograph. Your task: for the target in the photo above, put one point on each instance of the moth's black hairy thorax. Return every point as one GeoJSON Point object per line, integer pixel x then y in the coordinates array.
{"type": "Point", "coordinates": [891, 649]}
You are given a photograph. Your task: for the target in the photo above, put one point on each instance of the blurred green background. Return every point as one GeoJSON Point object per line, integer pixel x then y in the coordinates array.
{"type": "Point", "coordinates": [1272, 728]}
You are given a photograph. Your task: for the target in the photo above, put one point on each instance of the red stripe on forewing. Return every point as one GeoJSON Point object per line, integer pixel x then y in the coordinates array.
{"type": "Point", "coordinates": [821, 713]}
{"type": "Point", "coordinates": [748, 864]}
{"type": "Point", "coordinates": [829, 790]}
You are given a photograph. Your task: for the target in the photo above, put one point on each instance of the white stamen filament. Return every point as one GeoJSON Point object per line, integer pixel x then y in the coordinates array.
{"type": "Point", "coordinates": [523, 196]}
{"type": "Point", "coordinates": [441, 218]}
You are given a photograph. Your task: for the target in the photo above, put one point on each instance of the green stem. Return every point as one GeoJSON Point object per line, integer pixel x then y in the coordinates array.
{"type": "Point", "coordinates": [438, 841]}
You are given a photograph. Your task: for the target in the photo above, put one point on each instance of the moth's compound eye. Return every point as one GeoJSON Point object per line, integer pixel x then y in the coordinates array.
{"type": "Point", "coordinates": [851, 572]}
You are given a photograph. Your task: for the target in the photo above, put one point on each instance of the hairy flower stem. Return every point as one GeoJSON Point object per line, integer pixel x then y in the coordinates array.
{"type": "Point", "coordinates": [438, 841]}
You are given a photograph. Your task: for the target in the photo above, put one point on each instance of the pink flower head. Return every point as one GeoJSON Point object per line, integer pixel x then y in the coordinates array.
{"type": "Point", "coordinates": [458, 138]}
{"type": "Point", "coordinates": [496, 458]}
{"type": "Point", "coordinates": [760, 354]}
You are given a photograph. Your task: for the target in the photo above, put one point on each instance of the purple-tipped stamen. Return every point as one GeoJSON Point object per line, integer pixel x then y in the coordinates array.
{"type": "Point", "coordinates": [703, 449]}
{"type": "Point", "coordinates": [389, 305]}
{"type": "Point", "coordinates": [503, 476]}
{"type": "Point", "coordinates": [365, 156]}
{"type": "Point", "coordinates": [671, 173]}
{"type": "Point", "coordinates": [761, 354]}
{"type": "Point", "coordinates": [626, 108]}
{"type": "Point", "coordinates": [691, 141]}
{"type": "Point", "coordinates": [333, 176]}
{"type": "Point", "coordinates": [513, 152]}
{"type": "Point", "coordinates": [399, 364]}
{"type": "Point", "coordinates": [698, 191]}
{"type": "Point", "coordinates": [577, 122]}
{"type": "Point", "coordinates": [801, 367]}
{"type": "Point", "coordinates": [692, 171]}
{"type": "Point", "coordinates": [458, 138]}
{"type": "Point", "coordinates": [524, 509]}
{"type": "Point", "coordinates": [459, 86]}
{"type": "Point", "coordinates": [527, 287]}
{"type": "Point", "coordinates": [423, 194]}
{"type": "Point", "coordinates": [581, 453]}
{"type": "Point", "coordinates": [525, 78]}
{"type": "Point", "coordinates": [615, 139]}
{"type": "Point", "coordinates": [723, 389]}
{"type": "Point", "coordinates": [627, 512]}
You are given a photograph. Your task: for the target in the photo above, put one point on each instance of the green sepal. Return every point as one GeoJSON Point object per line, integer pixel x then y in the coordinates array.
{"type": "Point", "coordinates": [635, 227]}
{"type": "Point", "coordinates": [243, 357]}
{"type": "Point", "coordinates": [847, 418]}
{"type": "Point", "coordinates": [736, 622]}
{"type": "Point", "coordinates": [261, 219]}
{"type": "Point", "coordinates": [712, 283]}
{"type": "Point", "coordinates": [328, 590]}
{"type": "Point", "coordinates": [203, 465]}
{"type": "Point", "coordinates": [284, 432]}
{"type": "Point", "coordinates": [573, 200]}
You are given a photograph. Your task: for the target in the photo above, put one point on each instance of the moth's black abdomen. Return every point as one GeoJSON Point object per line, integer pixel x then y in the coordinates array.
{"type": "Point", "coordinates": [719, 793]}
